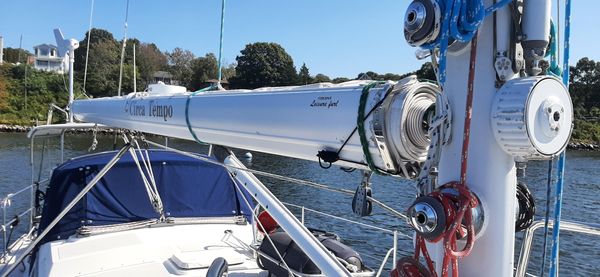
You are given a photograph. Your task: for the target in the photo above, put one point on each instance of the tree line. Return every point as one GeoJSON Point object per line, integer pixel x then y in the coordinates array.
{"type": "Point", "coordinates": [259, 64]}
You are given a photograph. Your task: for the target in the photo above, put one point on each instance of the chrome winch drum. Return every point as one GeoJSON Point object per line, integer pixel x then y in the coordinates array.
{"type": "Point", "coordinates": [422, 22]}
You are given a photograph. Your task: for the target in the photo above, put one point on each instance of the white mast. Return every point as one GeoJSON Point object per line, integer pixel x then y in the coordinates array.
{"type": "Point", "coordinates": [67, 47]}
{"type": "Point", "coordinates": [512, 119]}
{"type": "Point", "coordinates": [491, 171]}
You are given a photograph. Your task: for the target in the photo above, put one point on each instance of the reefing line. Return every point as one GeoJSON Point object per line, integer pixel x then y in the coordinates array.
{"type": "Point", "coordinates": [562, 158]}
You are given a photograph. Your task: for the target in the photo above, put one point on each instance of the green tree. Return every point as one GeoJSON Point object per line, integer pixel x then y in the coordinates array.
{"type": "Point", "coordinates": [426, 72]}
{"type": "Point", "coordinates": [180, 65]}
{"type": "Point", "coordinates": [264, 64]}
{"type": "Point", "coordinates": [149, 59]}
{"type": "Point", "coordinates": [28, 98]}
{"type": "Point", "coordinates": [104, 57]}
{"type": "Point", "coordinates": [585, 84]}
{"type": "Point", "coordinates": [229, 71]}
{"type": "Point", "coordinates": [304, 76]}
{"type": "Point", "coordinates": [321, 78]}
{"type": "Point", "coordinates": [203, 69]}
{"type": "Point", "coordinates": [338, 80]}
{"type": "Point", "coordinates": [11, 55]}
{"type": "Point", "coordinates": [392, 76]}
{"type": "Point", "coordinates": [3, 94]}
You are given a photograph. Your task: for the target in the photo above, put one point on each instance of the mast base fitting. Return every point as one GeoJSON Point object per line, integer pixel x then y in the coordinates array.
{"type": "Point", "coordinates": [532, 117]}
{"type": "Point", "coordinates": [431, 215]}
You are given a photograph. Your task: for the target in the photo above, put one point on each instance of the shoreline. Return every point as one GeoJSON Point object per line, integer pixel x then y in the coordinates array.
{"type": "Point", "coordinates": [9, 128]}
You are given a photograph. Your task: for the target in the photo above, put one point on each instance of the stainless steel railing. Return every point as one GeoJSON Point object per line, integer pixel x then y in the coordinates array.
{"type": "Point", "coordinates": [576, 227]}
{"type": "Point", "coordinates": [7, 202]}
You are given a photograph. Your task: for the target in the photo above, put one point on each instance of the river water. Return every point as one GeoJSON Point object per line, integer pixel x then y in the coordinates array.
{"type": "Point", "coordinates": [579, 253]}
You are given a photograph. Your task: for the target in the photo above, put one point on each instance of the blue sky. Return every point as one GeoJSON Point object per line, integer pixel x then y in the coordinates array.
{"type": "Point", "coordinates": [334, 37]}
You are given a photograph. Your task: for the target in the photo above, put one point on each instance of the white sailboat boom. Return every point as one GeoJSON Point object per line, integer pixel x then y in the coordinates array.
{"type": "Point", "coordinates": [296, 122]}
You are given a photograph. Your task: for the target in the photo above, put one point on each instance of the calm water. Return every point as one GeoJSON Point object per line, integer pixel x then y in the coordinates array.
{"type": "Point", "coordinates": [579, 254]}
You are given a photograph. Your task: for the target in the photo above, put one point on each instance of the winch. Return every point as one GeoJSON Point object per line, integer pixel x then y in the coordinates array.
{"type": "Point", "coordinates": [422, 22]}
{"type": "Point", "coordinates": [431, 215]}
{"type": "Point", "coordinates": [532, 117]}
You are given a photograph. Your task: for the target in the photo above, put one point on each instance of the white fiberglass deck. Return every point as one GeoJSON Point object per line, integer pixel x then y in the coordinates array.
{"type": "Point", "coordinates": [151, 251]}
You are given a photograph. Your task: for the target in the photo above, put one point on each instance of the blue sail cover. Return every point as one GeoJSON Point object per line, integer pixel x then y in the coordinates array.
{"type": "Point", "coordinates": [188, 187]}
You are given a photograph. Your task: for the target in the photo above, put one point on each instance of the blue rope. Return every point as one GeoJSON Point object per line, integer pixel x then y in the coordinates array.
{"type": "Point", "coordinates": [554, 69]}
{"type": "Point", "coordinates": [562, 158]}
{"type": "Point", "coordinates": [460, 22]}
{"type": "Point", "coordinates": [547, 218]}
{"type": "Point", "coordinates": [219, 70]}
{"type": "Point", "coordinates": [187, 114]}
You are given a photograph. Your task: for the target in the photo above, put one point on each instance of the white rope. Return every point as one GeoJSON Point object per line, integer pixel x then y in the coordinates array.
{"type": "Point", "coordinates": [440, 133]}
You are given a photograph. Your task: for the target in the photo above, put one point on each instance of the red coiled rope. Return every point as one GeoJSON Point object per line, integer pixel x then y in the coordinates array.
{"type": "Point", "coordinates": [457, 206]}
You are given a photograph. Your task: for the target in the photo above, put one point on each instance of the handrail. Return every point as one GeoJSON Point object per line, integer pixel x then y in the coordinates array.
{"type": "Point", "coordinates": [6, 202]}
{"type": "Point", "coordinates": [387, 256]}
{"type": "Point", "coordinates": [577, 227]}
{"type": "Point", "coordinates": [391, 232]}
{"type": "Point", "coordinates": [11, 195]}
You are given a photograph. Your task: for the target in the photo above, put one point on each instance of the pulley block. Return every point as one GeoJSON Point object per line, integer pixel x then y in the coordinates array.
{"type": "Point", "coordinates": [361, 202]}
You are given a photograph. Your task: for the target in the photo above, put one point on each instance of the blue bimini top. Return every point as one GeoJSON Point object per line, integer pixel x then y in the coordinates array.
{"type": "Point", "coordinates": [188, 187]}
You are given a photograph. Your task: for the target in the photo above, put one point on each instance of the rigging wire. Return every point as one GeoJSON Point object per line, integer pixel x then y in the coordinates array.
{"type": "Point", "coordinates": [279, 177]}
{"type": "Point", "coordinates": [219, 69]}
{"type": "Point", "coordinates": [562, 157]}
{"type": "Point", "coordinates": [187, 114]}
{"type": "Point", "coordinates": [217, 86]}
{"type": "Point", "coordinates": [123, 49]}
{"type": "Point", "coordinates": [87, 51]}
{"type": "Point", "coordinates": [547, 217]}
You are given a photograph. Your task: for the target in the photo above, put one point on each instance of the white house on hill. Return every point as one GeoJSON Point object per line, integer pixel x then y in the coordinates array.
{"type": "Point", "coordinates": [46, 58]}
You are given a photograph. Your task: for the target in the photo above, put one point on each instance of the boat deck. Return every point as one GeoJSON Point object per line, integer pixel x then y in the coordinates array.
{"type": "Point", "coordinates": [180, 250]}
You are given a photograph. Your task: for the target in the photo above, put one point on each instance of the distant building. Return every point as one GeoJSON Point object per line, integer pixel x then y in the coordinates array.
{"type": "Point", "coordinates": [46, 58]}
{"type": "Point", "coordinates": [165, 77]}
